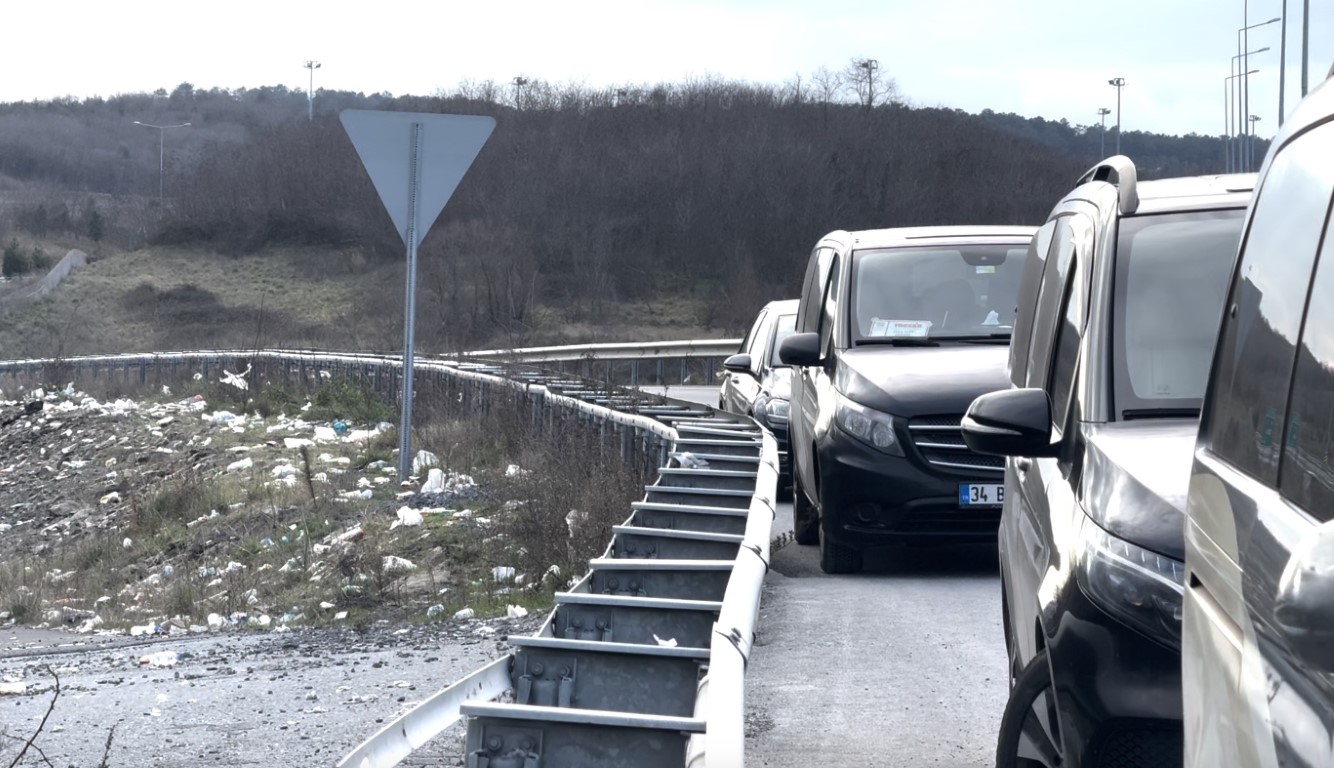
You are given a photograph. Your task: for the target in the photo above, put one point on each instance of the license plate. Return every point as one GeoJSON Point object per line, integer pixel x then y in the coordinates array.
{"type": "Point", "coordinates": [981, 495]}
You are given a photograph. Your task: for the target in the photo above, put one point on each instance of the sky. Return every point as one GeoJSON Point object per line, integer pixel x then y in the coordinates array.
{"type": "Point", "coordinates": [1043, 58]}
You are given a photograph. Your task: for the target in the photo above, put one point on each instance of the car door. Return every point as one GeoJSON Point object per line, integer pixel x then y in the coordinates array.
{"type": "Point", "coordinates": [805, 403]}
{"type": "Point", "coordinates": [1045, 500]}
{"type": "Point", "coordinates": [1255, 695]}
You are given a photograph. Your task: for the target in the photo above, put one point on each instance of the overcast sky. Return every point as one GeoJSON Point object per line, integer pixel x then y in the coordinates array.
{"type": "Point", "coordinates": [1044, 58]}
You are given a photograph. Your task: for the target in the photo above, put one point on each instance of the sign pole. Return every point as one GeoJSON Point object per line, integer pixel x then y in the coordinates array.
{"type": "Point", "coordinates": [409, 305]}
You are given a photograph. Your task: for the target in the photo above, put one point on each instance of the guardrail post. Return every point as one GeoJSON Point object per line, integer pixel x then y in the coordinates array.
{"type": "Point", "coordinates": [709, 362]}
{"type": "Point", "coordinates": [661, 372]}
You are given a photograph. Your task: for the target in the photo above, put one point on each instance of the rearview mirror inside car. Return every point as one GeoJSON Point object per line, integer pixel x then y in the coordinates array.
{"type": "Point", "coordinates": [1014, 422]}
{"type": "Point", "coordinates": [800, 349]}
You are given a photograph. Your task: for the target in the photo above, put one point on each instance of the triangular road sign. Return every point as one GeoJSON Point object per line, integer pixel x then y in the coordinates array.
{"type": "Point", "coordinates": [447, 145]}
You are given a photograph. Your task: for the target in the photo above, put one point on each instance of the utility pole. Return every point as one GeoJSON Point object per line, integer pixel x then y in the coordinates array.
{"type": "Point", "coordinates": [519, 82]}
{"type": "Point", "coordinates": [1118, 83]}
{"type": "Point", "coordinates": [310, 94]}
{"type": "Point", "coordinates": [1103, 112]}
{"type": "Point", "coordinates": [161, 153]}
{"type": "Point", "coordinates": [870, 65]}
{"type": "Point", "coordinates": [1250, 143]}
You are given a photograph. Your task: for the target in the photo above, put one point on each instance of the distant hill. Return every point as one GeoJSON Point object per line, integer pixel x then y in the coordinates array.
{"type": "Point", "coordinates": [710, 191]}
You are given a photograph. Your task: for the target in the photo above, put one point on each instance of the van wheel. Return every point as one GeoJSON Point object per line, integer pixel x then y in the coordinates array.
{"type": "Point", "coordinates": [1030, 734]}
{"type": "Point", "coordinates": [805, 522]}
{"type": "Point", "coordinates": [835, 558]}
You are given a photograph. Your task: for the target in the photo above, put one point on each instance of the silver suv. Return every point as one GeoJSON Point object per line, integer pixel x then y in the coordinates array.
{"type": "Point", "coordinates": [1118, 308]}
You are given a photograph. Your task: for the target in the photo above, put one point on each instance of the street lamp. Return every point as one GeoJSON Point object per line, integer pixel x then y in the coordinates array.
{"type": "Point", "coordinates": [161, 156]}
{"type": "Point", "coordinates": [519, 82]}
{"type": "Point", "coordinates": [1250, 142]}
{"type": "Point", "coordinates": [1103, 112]}
{"type": "Point", "coordinates": [1237, 101]}
{"type": "Point", "coordinates": [870, 65]}
{"type": "Point", "coordinates": [1243, 42]}
{"type": "Point", "coordinates": [310, 94]}
{"type": "Point", "coordinates": [1118, 83]}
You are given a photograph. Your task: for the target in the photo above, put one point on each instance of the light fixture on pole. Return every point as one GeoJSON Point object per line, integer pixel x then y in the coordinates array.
{"type": "Point", "coordinates": [1118, 83]}
{"type": "Point", "coordinates": [1103, 112]}
{"type": "Point", "coordinates": [1250, 142]}
{"type": "Point", "coordinates": [871, 66]}
{"type": "Point", "coordinates": [310, 93]}
{"type": "Point", "coordinates": [161, 155]}
{"type": "Point", "coordinates": [1234, 132]}
{"type": "Point", "coordinates": [1243, 102]}
{"type": "Point", "coordinates": [1237, 102]}
{"type": "Point", "coordinates": [519, 82]}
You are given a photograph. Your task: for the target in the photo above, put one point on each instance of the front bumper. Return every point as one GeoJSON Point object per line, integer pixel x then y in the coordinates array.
{"type": "Point", "coordinates": [868, 498]}
{"type": "Point", "coordinates": [1118, 693]}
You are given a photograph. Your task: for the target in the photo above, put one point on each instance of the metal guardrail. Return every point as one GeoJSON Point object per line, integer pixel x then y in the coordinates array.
{"type": "Point", "coordinates": [642, 662]}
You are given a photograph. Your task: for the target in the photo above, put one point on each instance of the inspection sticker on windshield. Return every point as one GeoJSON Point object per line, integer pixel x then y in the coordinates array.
{"type": "Point", "coordinates": [900, 328]}
{"type": "Point", "coordinates": [981, 495]}
{"type": "Point", "coordinates": [983, 269]}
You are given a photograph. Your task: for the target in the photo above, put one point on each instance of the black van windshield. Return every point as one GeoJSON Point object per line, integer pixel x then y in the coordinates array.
{"type": "Point", "coordinates": [935, 292]}
{"type": "Point", "coordinates": [1172, 273]}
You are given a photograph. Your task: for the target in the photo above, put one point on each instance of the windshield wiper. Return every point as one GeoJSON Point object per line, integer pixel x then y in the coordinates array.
{"type": "Point", "coordinates": [1160, 413]}
{"type": "Point", "coordinates": [900, 341]}
{"type": "Point", "coordinates": [987, 337]}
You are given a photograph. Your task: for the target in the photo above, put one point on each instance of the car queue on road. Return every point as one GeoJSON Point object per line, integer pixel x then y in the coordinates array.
{"type": "Point", "coordinates": [1131, 471]}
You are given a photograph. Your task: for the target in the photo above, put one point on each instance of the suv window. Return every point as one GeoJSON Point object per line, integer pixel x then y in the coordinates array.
{"type": "Point", "coordinates": [1256, 347]}
{"type": "Point", "coordinates": [1074, 311]}
{"type": "Point", "coordinates": [1051, 293]}
{"type": "Point", "coordinates": [941, 292]}
{"type": "Point", "coordinates": [831, 302]}
{"type": "Point", "coordinates": [1172, 272]}
{"type": "Point", "coordinates": [1034, 261]}
{"type": "Point", "coordinates": [814, 290]}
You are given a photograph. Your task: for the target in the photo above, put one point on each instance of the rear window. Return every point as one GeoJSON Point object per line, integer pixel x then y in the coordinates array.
{"type": "Point", "coordinates": [1172, 274]}
{"type": "Point", "coordinates": [935, 292]}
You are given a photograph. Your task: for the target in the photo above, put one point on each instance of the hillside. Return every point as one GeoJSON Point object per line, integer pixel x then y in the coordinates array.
{"type": "Point", "coordinates": [589, 214]}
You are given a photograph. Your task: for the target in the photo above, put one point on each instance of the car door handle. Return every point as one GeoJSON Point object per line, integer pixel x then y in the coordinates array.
{"type": "Point", "coordinates": [1023, 463]}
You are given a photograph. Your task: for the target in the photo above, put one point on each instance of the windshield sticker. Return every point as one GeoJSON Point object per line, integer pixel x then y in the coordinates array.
{"type": "Point", "coordinates": [986, 270]}
{"type": "Point", "coordinates": [899, 328]}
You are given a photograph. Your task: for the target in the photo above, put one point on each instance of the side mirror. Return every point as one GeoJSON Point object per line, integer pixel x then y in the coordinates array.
{"type": "Point", "coordinates": [1304, 607]}
{"type": "Point", "coordinates": [737, 364]}
{"type": "Point", "coordinates": [800, 349]}
{"type": "Point", "coordinates": [1013, 422]}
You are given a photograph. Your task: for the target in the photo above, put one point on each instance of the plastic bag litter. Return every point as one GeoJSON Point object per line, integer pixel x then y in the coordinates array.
{"type": "Point", "coordinates": [434, 611]}
{"type": "Point", "coordinates": [502, 573]}
{"type": "Point", "coordinates": [688, 460]}
{"type": "Point", "coordinates": [465, 613]}
{"type": "Point", "coordinates": [160, 659]}
{"type": "Point", "coordinates": [516, 611]}
{"type": "Point", "coordinates": [393, 564]}
{"type": "Point", "coordinates": [435, 481]}
{"type": "Point", "coordinates": [424, 460]}
{"type": "Point", "coordinates": [407, 516]}
{"type": "Point", "coordinates": [668, 643]}
{"type": "Point", "coordinates": [237, 466]}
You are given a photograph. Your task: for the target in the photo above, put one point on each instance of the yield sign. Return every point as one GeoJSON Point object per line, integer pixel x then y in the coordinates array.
{"type": "Point", "coordinates": [415, 154]}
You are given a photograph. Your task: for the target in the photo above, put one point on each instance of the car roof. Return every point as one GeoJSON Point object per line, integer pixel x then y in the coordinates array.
{"type": "Point", "coordinates": [1186, 193]}
{"type": "Point", "coordinates": [783, 307]}
{"type": "Point", "coordinates": [943, 235]}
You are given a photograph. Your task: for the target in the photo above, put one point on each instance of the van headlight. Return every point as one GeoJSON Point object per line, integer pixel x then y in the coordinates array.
{"type": "Point", "coordinates": [872, 427]}
{"type": "Point", "coordinates": [1139, 587]}
{"type": "Point", "coordinates": [776, 410]}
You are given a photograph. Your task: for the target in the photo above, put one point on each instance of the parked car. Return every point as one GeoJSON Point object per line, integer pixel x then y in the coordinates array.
{"type": "Point", "coordinates": [1258, 646]}
{"type": "Point", "coordinates": [1118, 310]}
{"type": "Point", "coordinates": [897, 331]}
{"type": "Point", "coordinates": [757, 384]}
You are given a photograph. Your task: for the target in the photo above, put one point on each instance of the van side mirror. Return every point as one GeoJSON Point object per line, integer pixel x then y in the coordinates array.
{"type": "Point", "coordinates": [1304, 607]}
{"type": "Point", "coordinates": [737, 364]}
{"type": "Point", "coordinates": [801, 350]}
{"type": "Point", "coordinates": [1013, 422]}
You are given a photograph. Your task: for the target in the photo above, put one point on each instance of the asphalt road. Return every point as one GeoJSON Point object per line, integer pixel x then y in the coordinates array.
{"type": "Point", "coordinates": [903, 664]}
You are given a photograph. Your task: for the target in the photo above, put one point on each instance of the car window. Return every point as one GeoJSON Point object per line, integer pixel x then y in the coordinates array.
{"type": "Point", "coordinates": [755, 341]}
{"type": "Point", "coordinates": [813, 293]}
{"type": "Point", "coordinates": [939, 292]}
{"type": "Point", "coordinates": [784, 326]}
{"type": "Point", "coordinates": [1026, 304]}
{"type": "Point", "coordinates": [1172, 272]}
{"type": "Point", "coordinates": [831, 304]}
{"type": "Point", "coordinates": [1051, 292]}
{"type": "Point", "coordinates": [751, 334]}
{"type": "Point", "coordinates": [757, 344]}
{"type": "Point", "coordinates": [1257, 345]}
{"type": "Point", "coordinates": [1074, 313]}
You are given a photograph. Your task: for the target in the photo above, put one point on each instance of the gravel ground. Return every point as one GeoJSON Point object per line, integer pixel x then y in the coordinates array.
{"type": "Point", "coordinates": [298, 698]}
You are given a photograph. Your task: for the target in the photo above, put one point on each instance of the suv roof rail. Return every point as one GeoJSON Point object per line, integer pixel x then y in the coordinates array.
{"type": "Point", "coordinates": [1119, 171]}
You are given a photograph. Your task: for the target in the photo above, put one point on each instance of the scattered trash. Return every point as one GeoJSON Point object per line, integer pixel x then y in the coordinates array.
{"type": "Point", "coordinates": [236, 379]}
{"type": "Point", "coordinates": [293, 443]}
{"type": "Point", "coordinates": [237, 466]}
{"type": "Point", "coordinates": [668, 643]}
{"type": "Point", "coordinates": [516, 611]}
{"type": "Point", "coordinates": [394, 565]}
{"type": "Point", "coordinates": [514, 470]}
{"type": "Point", "coordinates": [502, 573]}
{"type": "Point", "coordinates": [160, 659]}
{"type": "Point", "coordinates": [407, 516]}
{"type": "Point", "coordinates": [435, 611]}
{"type": "Point", "coordinates": [340, 615]}
{"type": "Point", "coordinates": [688, 460]}
{"type": "Point", "coordinates": [339, 428]}
{"type": "Point", "coordinates": [424, 460]}
{"type": "Point", "coordinates": [466, 613]}
{"type": "Point", "coordinates": [435, 481]}
{"type": "Point", "coordinates": [110, 498]}
{"type": "Point", "coordinates": [127, 543]}
{"type": "Point", "coordinates": [15, 688]}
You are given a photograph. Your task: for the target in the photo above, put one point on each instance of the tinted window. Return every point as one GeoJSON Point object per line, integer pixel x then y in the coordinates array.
{"type": "Point", "coordinates": [751, 334]}
{"type": "Point", "coordinates": [1066, 353]}
{"type": "Point", "coordinates": [1049, 303]}
{"type": "Point", "coordinates": [786, 326]}
{"type": "Point", "coordinates": [1034, 261]}
{"type": "Point", "coordinates": [813, 292]}
{"type": "Point", "coordinates": [1307, 475]}
{"type": "Point", "coordinates": [760, 336]}
{"type": "Point", "coordinates": [1171, 281]}
{"type": "Point", "coordinates": [831, 302]}
{"type": "Point", "coordinates": [1253, 366]}
{"type": "Point", "coordinates": [940, 292]}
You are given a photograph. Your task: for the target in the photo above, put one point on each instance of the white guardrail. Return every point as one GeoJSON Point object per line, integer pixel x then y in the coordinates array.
{"type": "Point", "coordinates": [720, 694]}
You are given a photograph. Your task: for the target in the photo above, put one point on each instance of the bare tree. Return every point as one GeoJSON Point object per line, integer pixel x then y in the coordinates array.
{"type": "Point", "coordinates": [827, 85]}
{"type": "Point", "coordinates": [863, 79]}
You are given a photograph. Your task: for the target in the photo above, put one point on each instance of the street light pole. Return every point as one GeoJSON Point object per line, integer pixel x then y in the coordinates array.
{"type": "Point", "coordinates": [310, 94]}
{"type": "Point", "coordinates": [1306, 40]}
{"type": "Point", "coordinates": [519, 82]}
{"type": "Point", "coordinates": [1282, 58]}
{"type": "Point", "coordinates": [1237, 104]}
{"type": "Point", "coordinates": [1250, 141]}
{"type": "Point", "coordinates": [161, 153]}
{"type": "Point", "coordinates": [1103, 112]}
{"type": "Point", "coordinates": [1243, 101]}
{"type": "Point", "coordinates": [1119, 83]}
